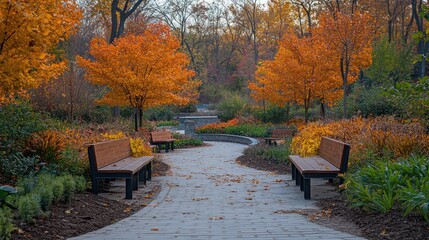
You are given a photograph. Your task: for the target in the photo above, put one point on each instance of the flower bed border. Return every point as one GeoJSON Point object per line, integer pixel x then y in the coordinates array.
{"type": "Point", "coordinates": [227, 138]}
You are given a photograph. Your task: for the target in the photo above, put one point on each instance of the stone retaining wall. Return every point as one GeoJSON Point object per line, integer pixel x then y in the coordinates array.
{"type": "Point", "coordinates": [227, 138]}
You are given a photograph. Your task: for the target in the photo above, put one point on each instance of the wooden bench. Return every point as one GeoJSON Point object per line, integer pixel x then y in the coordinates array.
{"type": "Point", "coordinates": [113, 159]}
{"type": "Point", "coordinates": [279, 134]}
{"type": "Point", "coordinates": [160, 138]}
{"type": "Point", "coordinates": [331, 161]}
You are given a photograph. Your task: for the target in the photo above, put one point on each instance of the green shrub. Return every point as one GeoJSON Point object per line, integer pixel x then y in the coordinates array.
{"type": "Point", "coordinates": [69, 162]}
{"type": "Point", "coordinates": [57, 190]}
{"type": "Point", "coordinates": [29, 207]}
{"type": "Point", "coordinates": [69, 187]}
{"type": "Point", "coordinates": [6, 225]}
{"type": "Point", "coordinates": [374, 187]}
{"type": "Point", "coordinates": [46, 196]}
{"type": "Point", "coordinates": [278, 153]}
{"type": "Point", "coordinates": [167, 123]}
{"type": "Point", "coordinates": [27, 184]}
{"type": "Point", "coordinates": [17, 123]}
{"type": "Point", "coordinates": [382, 186]}
{"type": "Point", "coordinates": [230, 106]}
{"type": "Point", "coordinates": [80, 183]}
{"type": "Point", "coordinates": [17, 165]}
{"type": "Point", "coordinates": [273, 114]}
{"type": "Point", "coordinates": [249, 130]}
{"type": "Point", "coordinates": [165, 113]}
{"type": "Point", "coordinates": [187, 142]}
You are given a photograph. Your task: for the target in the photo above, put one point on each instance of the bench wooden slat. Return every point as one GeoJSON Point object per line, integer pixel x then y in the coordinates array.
{"type": "Point", "coordinates": [112, 151]}
{"type": "Point", "coordinates": [282, 133]}
{"type": "Point", "coordinates": [332, 150]}
{"type": "Point", "coordinates": [128, 165]}
{"type": "Point", "coordinates": [161, 136]}
{"type": "Point", "coordinates": [313, 164]}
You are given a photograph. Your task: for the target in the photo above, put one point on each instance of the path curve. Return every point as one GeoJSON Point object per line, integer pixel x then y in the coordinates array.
{"type": "Point", "coordinates": [210, 196]}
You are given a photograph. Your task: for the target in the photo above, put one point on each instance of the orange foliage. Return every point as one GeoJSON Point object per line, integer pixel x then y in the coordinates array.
{"type": "Point", "coordinates": [217, 127]}
{"type": "Point", "coordinates": [350, 37]}
{"type": "Point", "coordinates": [30, 31]}
{"type": "Point", "coordinates": [303, 71]}
{"type": "Point", "coordinates": [142, 71]}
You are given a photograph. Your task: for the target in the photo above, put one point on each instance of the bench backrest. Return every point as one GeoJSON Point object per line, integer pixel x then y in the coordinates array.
{"type": "Point", "coordinates": [161, 135]}
{"type": "Point", "coordinates": [105, 153]}
{"type": "Point", "coordinates": [335, 152]}
{"type": "Point", "coordinates": [282, 133]}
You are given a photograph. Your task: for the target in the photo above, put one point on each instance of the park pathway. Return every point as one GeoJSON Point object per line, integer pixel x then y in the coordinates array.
{"type": "Point", "coordinates": [209, 196]}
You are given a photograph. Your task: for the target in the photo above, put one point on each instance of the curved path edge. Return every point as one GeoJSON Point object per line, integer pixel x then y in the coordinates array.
{"type": "Point", "coordinates": [228, 138]}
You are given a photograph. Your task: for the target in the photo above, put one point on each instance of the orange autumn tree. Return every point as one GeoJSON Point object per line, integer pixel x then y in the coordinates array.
{"type": "Point", "coordinates": [141, 71]}
{"type": "Point", "coordinates": [350, 37]}
{"type": "Point", "coordinates": [30, 30]}
{"type": "Point", "coordinates": [303, 71]}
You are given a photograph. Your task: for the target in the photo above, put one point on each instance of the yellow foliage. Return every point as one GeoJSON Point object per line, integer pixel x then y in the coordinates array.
{"type": "Point", "coordinates": [307, 142]}
{"type": "Point", "coordinates": [113, 135]}
{"type": "Point", "coordinates": [139, 148]}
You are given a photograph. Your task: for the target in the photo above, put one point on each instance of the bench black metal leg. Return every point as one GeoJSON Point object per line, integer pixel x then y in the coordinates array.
{"type": "Point", "coordinates": [172, 146]}
{"type": "Point", "coordinates": [167, 146]}
{"type": "Point", "coordinates": [94, 185]}
{"type": "Point", "coordinates": [149, 171]}
{"type": "Point", "coordinates": [331, 180]}
{"type": "Point", "coordinates": [297, 178]}
{"type": "Point", "coordinates": [307, 183]}
{"type": "Point", "coordinates": [135, 182]}
{"type": "Point", "coordinates": [128, 188]}
{"type": "Point", "coordinates": [301, 186]}
{"type": "Point", "coordinates": [293, 171]}
{"type": "Point", "coordinates": [142, 174]}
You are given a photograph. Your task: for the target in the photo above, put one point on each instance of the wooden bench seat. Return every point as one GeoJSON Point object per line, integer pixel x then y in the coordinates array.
{"type": "Point", "coordinates": [331, 161]}
{"type": "Point", "coordinates": [113, 159]}
{"type": "Point", "coordinates": [279, 134]}
{"type": "Point", "coordinates": [160, 138]}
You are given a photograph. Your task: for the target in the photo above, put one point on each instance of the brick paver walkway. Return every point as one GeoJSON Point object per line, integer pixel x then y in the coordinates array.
{"type": "Point", "coordinates": [209, 196]}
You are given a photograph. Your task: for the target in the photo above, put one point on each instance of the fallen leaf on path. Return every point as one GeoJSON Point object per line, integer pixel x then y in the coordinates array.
{"type": "Point", "coordinates": [154, 229]}
{"type": "Point", "coordinates": [255, 181]}
{"type": "Point", "coordinates": [251, 190]}
{"type": "Point", "coordinates": [279, 180]}
{"type": "Point", "coordinates": [216, 218]}
{"type": "Point", "coordinates": [249, 198]}
{"type": "Point", "coordinates": [199, 199]}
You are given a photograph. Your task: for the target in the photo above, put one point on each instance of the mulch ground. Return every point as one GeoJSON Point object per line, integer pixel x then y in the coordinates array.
{"type": "Point", "coordinates": [85, 213]}
{"type": "Point", "coordinates": [337, 215]}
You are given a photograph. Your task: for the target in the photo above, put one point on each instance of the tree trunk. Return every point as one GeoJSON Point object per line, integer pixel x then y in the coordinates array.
{"type": "Point", "coordinates": [140, 117]}
{"type": "Point", "coordinates": [322, 110]}
{"type": "Point", "coordinates": [306, 113]}
{"type": "Point", "coordinates": [136, 127]}
{"type": "Point", "coordinates": [421, 47]}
